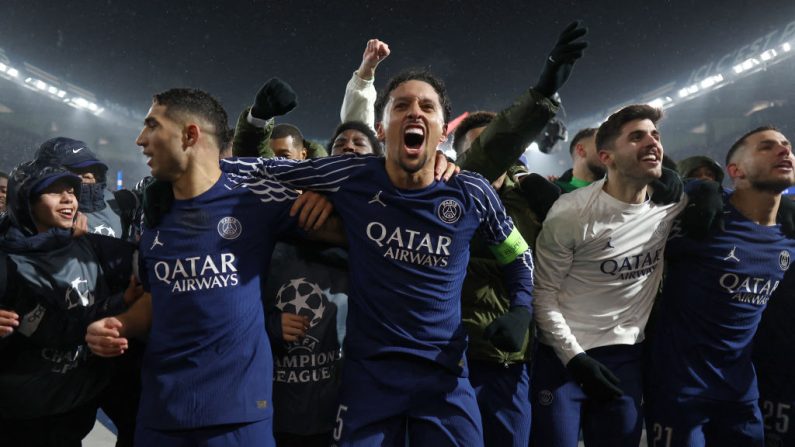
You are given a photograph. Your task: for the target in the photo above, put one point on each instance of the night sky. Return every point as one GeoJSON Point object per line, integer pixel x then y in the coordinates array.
{"type": "Point", "coordinates": [487, 51]}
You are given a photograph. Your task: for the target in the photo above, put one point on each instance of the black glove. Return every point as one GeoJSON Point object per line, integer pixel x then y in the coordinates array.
{"type": "Point", "coordinates": [539, 193]}
{"type": "Point", "coordinates": [704, 211]}
{"type": "Point", "coordinates": [786, 216]}
{"type": "Point", "coordinates": [157, 199]}
{"type": "Point", "coordinates": [595, 379]}
{"type": "Point", "coordinates": [509, 331]}
{"type": "Point", "coordinates": [668, 188]}
{"type": "Point", "coordinates": [558, 65]}
{"type": "Point", "coordinates": [274, 98]}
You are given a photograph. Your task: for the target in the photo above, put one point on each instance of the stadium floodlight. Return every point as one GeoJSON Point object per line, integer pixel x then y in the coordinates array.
{"type": "Point", "coordinates": [711, 81]}
{"type": "Point", "coordinates": [13, 72]}
{"type": "Point", "coordinates": [786, 46]}
{"type": "Point", "coordinates": [3, 67]}
{"type": "Point", "coordinates": [662, 102]}
{"type": "Point", "coordinates": [61, 93]}
{"type": "Point", "coordinates": [746, 65]}
{"type": "Point", "coordinates": [769, 54]}
{"type": "Point", "coordinates": [687, 91]}
{"type": "Point", "coordinates": [80, 102]}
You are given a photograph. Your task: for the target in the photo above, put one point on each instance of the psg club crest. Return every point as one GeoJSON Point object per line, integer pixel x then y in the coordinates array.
{"type": "Point", "coordinates": [783, 260]}
{"type": "Point", "coordinates": [449, 211]}
{"type": "Point", "coordinates": [229, 228]}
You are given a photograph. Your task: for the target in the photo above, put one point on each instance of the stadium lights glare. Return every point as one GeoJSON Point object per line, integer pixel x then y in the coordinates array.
{"type": "Point", "coordinates": [687, 91]}
{"type": "Point", "coordinates": [786, 46]}
{"type": "Point", "coordinates": [769, 54]}
{"type": "Point", "coordinates": [711, 81]}
{"type": "Point", "coordinates": [13, 72]}
{"type": "Point", "coordinates": [82, 103]}
{"type": "Point", "coordinates": [662, 102]}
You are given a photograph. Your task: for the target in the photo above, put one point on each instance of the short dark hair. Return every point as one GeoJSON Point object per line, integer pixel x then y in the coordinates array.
{"type": "Point", "coordinates": [472, 121]}
{"type": "Point", "coordinates": [3, 175]}
{"type": "Point", "coordinates": [737, 144]}
{"type": "Point", "coordinates": [414, 75]}
{"type": "Point", "coordinates": [285, 130]}
{"type": "Point", "coordinates": [191, 101]}
{"type": "Point", "coordinates": [610, 130]}
{"type": "Point", "coordinates": [361, 127]}
{"type": "Point", "coordinates": [588, 132]}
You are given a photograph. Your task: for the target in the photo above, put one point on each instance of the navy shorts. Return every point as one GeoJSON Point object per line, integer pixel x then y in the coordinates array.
{"type": "Point", "coordinates": [399, 399]}
{"type": "Point", "coordinates": [258, 433]}
{"type": "Point", "coordinates": [690, 421]}
{"type": "Point", "coordinates": [777, 404]}
{"type": "Point", "coordinates": [503, 394]}
{"type": "Point", "coordinates": [561, 408]}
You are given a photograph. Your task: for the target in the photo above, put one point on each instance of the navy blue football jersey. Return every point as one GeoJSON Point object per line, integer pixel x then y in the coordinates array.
{"type": "Point", "coordinates": [408, 250]}
{"type": "Point", "coordinates": [714, 294]}
{"type": "Point", "coordinates": [208, 361]}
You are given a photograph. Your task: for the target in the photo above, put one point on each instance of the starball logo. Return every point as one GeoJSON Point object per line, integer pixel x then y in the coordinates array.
{"type": "Point", "coordinates": [211, 271]}
{"type": "Point", "coordinates": [412, 246]}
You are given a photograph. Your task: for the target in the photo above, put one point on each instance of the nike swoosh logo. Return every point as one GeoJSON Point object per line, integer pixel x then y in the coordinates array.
{"type": "Point", "coordinates": [74, 151]}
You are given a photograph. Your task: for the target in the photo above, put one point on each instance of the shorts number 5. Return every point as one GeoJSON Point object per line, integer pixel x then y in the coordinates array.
{"type": "Point", "coordinates": [338, 428]}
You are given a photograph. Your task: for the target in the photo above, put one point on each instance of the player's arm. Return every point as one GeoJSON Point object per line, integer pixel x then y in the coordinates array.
{"type": "Point", "coordinates": [555, 247]}
{"type": "Point", "coordinates": [109, 337]}
{"type": "Point", "coordinates": [360, 95]}
{"type": "Point", "coordinates": [508, 332]}
{"type": "Point", "coordinates": [251, 136]}
{"type": "Point", "coordinates": [315, 216]}
{"type": "Point", "coordinates": [513, 129]}
{"type": "Point", "coordinates": [255, 124]}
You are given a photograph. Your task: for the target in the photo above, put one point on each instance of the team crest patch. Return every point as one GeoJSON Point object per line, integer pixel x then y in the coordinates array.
{"type": "Point", "coordinates": [783, 260]}
{"type": "Point", "coordinates": [662, 229]}
{"type": "Point", "coordinates": [545, 397]}
{"type": "Point", "coordinates": [229, 228]}
{"type": "Point", "coordinates": [449, 211]}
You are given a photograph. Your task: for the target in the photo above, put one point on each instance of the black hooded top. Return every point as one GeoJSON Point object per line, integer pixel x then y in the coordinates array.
{"type": "Point", "coordinates": [57, 284]}
{"type": "Point", "coordinates": [105, 212]}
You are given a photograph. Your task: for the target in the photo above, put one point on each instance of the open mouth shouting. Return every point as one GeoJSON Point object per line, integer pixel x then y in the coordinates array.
{"type": "Point", "coordinates": [414, 139]}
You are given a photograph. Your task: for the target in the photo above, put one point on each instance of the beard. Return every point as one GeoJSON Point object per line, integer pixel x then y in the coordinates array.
{"type": "Point", "coordinates": [412, 168]}
{"type": "Point", "coordinates": [598, 171]}
{"type": "Point", "coordinates": [771, 186]}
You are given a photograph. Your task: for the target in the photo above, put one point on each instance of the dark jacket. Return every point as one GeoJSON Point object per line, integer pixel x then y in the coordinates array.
{"type": "Point", "coordinates": [58, 285]}
{"type": "Point", "coordinates": [493, 153]}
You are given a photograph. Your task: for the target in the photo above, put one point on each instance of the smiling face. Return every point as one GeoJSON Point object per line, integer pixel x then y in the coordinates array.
{"type": "Point", "coordinates": [55, 207]}
{"type": "Point", "coordinates": [636, 153]}
{"type": "Point", "coordinates": [764, 161]}
{"type": "Point", "coordinates": [412, 127]}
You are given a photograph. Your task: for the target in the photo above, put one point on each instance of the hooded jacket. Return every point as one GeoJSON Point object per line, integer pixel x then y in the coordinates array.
{"type": "Point", "coordinates": [58, 285]}
{"type": "Point", "coordinates": [687, 166]}
{"type": "Point", "coordinates": [108, 213]}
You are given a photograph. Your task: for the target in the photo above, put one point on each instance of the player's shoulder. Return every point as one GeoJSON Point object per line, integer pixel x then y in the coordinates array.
{"type": "Point", "coordinates": [572, 205]}
{"type": "Point", "coordinates": [470, 181]}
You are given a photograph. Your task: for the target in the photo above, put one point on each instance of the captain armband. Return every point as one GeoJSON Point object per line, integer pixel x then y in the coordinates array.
{"type": "Point", "coordinates": [509, 249]}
